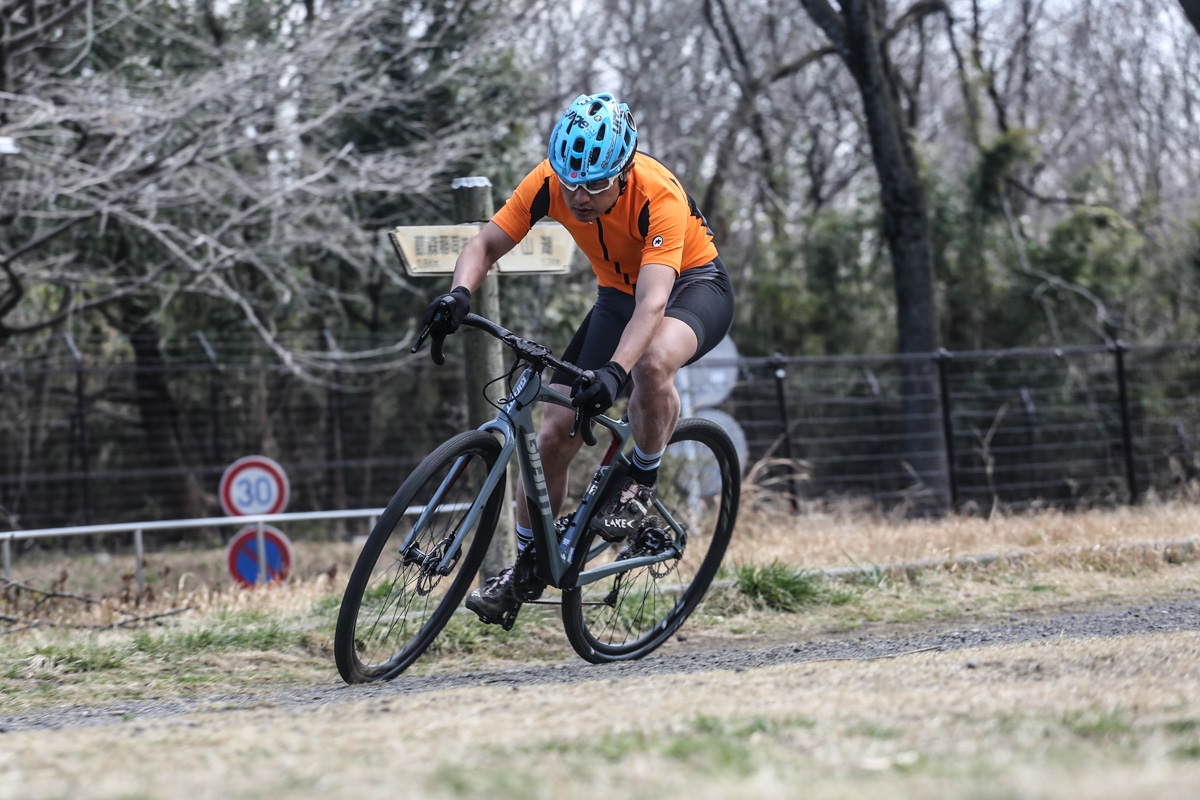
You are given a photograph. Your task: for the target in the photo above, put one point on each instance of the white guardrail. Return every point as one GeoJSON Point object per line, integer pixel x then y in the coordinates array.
{"type": "Point", "coordinates": [139, 529]}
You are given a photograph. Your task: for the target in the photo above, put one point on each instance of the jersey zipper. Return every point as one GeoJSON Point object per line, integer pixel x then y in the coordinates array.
{"type": "Point", "coordinates": [604, 249]}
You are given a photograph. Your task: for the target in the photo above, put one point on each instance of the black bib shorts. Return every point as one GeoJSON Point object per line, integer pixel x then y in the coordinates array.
{"type": "Point", "coordinates": [702, 298]}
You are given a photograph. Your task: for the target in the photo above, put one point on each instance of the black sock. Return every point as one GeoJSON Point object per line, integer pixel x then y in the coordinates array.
{"type": "Point", "coordinates": [646, 477]}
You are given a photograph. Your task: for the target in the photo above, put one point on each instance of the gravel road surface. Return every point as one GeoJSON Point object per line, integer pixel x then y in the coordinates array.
{"type": "Point", "coordinates": [688, 655]}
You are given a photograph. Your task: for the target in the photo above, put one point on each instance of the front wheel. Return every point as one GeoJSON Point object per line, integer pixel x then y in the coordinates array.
{"type": "Point", "coordinates": [630, 614]}
{"type": "Point", "coordinates": [414, 569]}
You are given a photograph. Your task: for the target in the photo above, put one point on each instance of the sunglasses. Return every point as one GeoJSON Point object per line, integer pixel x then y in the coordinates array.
{"type": "Point", "coordinates": [593, 187]}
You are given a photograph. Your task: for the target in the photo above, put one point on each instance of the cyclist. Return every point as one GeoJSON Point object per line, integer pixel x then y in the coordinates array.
{"type": "Point", "coordinates": [664, 299]}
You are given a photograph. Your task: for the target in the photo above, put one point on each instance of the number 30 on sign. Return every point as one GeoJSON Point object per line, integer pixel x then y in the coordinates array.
{"type": "Point", "coordinates": [254, 485]}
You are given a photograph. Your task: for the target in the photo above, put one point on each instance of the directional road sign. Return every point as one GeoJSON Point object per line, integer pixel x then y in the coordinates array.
{"type": "Point", "coordinates": [433, 249]}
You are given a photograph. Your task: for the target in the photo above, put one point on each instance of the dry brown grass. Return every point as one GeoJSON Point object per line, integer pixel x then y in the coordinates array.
{"type": "Point", "coordinates": [852, 536]}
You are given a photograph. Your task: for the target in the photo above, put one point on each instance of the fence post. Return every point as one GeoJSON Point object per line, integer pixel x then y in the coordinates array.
{"type": "Point", "coordinates": [484, 361]}
{"type": "Point", "coordinates": [778, 362]}
{"type": "Point", "coordinates": [335, 440]}
{"type": "Point", "coordinates": [139, 552]}
{"type": "Point", "coordinates": [1118, 349]}
{"type": "Point", "coordinates": [81, 415]}
{"type": "Point", "coordinates": [260, 540]}
{"type": "Point", "coordinates": [877, 427]}
{"type": "Point", "coordinates": [942, 359]}
{"type": "Point", "coordinates": [8, 557]}
{"type": "Point", "coordinates": [214, 413]}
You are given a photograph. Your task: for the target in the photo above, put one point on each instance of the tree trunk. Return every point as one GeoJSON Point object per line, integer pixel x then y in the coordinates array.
{"type": "Point", "coordinates": [1192, 9]}
{"type": "Point", "coordinates": [857, 36]}
{"type": "Point", "coordinates": [159, 416]}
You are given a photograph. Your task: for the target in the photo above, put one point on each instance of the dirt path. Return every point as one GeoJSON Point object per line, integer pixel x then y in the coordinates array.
{"type": "Point", "coordinates": [1006, 705]}
{"type": "Point", "coordinates": [868, 708]}
{"type": "Point", "coordinates": [694, 654]}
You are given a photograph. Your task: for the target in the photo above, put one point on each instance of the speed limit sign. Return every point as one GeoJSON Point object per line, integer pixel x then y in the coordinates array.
{"type": "Point", "coordinates": [254, 485]}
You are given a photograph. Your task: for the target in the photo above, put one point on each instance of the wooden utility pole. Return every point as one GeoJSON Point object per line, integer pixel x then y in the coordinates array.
{"type": "Point", "coordinates": [485, 361]}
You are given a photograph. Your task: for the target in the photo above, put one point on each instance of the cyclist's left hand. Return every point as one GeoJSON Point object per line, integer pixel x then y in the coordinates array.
{"type": "Point", "coordinates": [602, 393]}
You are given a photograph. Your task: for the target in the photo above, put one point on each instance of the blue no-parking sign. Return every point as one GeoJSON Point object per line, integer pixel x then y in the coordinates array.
{"type": "Point", "coordinates": [242, 555]}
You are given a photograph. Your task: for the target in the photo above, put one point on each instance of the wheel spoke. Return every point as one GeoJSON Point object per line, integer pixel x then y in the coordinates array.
{"type": "Point", "coordinates": [698, 486]}
{"type": "Point", "coordinates": [396, 603]}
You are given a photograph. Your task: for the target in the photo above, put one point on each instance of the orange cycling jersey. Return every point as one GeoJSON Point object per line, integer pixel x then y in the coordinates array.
{"type": "Point", "coordinates": [653, 222]}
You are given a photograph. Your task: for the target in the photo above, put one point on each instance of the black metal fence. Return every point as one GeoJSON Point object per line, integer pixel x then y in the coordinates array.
{"type": "Point", "coordinates": [93, 435]}
{"type": "Point", "coordinates": [1020, 428]}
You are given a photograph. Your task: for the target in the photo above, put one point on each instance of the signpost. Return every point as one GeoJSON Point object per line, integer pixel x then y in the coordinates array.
{"type": "Point", "coordinates": [259, 554]}
{"type": "Point", "coordinates": [432, 250]}
{"type": "Point", "coordinates": [254, 485]}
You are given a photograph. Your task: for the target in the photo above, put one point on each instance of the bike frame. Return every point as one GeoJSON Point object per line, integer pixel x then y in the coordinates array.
{"type": "Point", "coordinates": [514, 424]}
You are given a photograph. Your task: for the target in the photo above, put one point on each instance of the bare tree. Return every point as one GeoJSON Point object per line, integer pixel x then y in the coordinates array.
{"type": "Point", "coordinates": [176, 169]}
{"type": "Point", "coordinates": [858, 34]}
{"type": "Point", "coordinates": [227, 181]}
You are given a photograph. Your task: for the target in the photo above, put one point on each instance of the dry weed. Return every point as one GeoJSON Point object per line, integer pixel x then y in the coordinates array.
{"type": "Point", "coordinates": [848, 535]}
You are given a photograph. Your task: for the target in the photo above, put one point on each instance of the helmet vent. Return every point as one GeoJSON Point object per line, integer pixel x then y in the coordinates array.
{"type": "Point", "coordinates": [594, 139]}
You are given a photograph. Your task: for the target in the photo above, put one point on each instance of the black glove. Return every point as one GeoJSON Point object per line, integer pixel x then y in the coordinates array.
{"type": "Point", "coordinates": [447, 311]}
{"type": "Point", "coordinates": [602, 392]}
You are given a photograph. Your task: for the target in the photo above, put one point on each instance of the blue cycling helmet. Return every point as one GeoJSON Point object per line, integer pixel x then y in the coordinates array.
{"type": "Point", "coordinates": [595, 139]}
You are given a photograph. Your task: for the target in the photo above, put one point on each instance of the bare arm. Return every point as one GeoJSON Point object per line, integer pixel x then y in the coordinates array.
{"type": "Point", "coordinates": [480, 254]}
{"type": "Point", "coordinates": [652, 292]}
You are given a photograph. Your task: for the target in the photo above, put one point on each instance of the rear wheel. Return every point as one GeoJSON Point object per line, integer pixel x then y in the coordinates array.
{"type": "Point", "coordinates": [630, 614]}
{"type": "Point", "coordinates": [403, 588]}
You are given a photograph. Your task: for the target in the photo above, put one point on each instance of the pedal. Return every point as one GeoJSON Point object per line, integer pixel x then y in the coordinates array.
{"type": "Point", "coordinates": [510, 618]}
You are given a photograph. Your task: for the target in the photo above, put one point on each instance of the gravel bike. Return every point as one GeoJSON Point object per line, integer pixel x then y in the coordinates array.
{"type": "Point", "coordinates": [620, 600]}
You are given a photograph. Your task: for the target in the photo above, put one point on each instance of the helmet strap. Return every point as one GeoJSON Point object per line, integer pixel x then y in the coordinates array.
{"type": "Point", "coordinates": [622, 182]}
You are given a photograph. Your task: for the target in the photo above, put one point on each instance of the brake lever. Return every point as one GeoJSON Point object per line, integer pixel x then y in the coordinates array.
{"type": "Point", "coordinates": [437, 342]}
{"type": "Point", "coordinates": [583, 425]}
{"type": "Point", "coordinates": [420, 340]}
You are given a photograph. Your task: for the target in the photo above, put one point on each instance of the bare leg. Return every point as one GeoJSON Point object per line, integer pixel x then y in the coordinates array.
{"type": "Point", "coordinates": [653, 411]}
{"type": "Point", "coordinates": [654, 406]}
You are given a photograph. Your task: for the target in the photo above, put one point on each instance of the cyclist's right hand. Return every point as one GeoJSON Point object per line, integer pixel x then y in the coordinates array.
{"type": "Point", "coordinates": [445, 313]}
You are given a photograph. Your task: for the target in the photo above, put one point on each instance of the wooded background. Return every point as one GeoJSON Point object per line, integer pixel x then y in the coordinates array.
{"type": "Point", "coordinates": [882, 177]}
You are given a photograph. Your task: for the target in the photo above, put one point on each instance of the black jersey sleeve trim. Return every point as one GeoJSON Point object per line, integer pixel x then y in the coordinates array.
{"type": "Point", "coordinates": [540, 206]}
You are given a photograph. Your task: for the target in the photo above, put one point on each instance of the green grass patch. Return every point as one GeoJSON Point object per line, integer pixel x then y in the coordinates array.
{"type": "Point", "coordinates": [1097, 725]}
{"type": "Point", "coordinates": [778, 587]}
{"type": "Point", "coordinates": [232, 634]}
{"type": "Point", "coordinates": [709, 744]}
{"type": "Point", "coordinates": [1188, 752]}
{"type": "Point", "coordinates": [872, 731]}
{"type": "Point", "coordinates": [81, 656]}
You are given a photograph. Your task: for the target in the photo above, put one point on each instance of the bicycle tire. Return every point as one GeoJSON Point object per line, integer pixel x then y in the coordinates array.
{"type": "Point", "coordinates": [396, 605]}
{"type": "Point", "coordinates": [628, 616]}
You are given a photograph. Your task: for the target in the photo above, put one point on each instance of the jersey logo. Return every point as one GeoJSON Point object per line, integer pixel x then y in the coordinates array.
{"type": "Point", "coordinates": [658, 240]}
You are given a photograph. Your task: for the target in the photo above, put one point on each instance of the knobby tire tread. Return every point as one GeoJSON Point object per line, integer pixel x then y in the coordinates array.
{"type": "Point", "coordinates": [349, 665]}
{"type": "Point", "coordinates": [588, 643]}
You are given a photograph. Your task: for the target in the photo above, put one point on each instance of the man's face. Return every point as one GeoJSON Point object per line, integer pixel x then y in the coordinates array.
{"type": "Point", "coordinates": [587, 207]}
